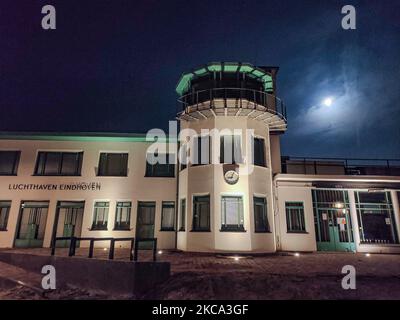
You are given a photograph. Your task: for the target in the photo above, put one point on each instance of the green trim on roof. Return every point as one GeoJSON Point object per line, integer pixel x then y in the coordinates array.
{"type": "Point", "coordinates": [214, 67]}
{"type": "Point", "coordinates": [252, 71]}
{"type": "Point", "coordinates": [82, 137]}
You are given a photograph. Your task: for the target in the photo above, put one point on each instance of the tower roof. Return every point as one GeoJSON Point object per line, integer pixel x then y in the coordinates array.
{"type": "Point", "coordinates": [254, 72]}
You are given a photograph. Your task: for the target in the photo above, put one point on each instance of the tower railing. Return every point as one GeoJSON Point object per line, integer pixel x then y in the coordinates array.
{"type": "Point", "coordinates": [243, 98]}
{"type": "Point", "coordinates": [345, 166]}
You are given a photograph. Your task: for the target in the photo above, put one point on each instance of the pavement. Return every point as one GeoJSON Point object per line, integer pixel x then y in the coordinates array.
{"type": "Point", "coordinates": [263, 277]}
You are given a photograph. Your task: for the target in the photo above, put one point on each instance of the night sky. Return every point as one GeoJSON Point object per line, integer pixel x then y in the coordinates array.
{"type": "Point", "coordinates": [113, 66]}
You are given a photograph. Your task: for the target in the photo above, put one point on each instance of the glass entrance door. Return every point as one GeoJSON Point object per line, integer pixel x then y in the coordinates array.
{"type": "Point", "coordinates": [31, 224]}
{"type": "Point", "coordinates": [334, 231]}
{"type": "Point", "coordinates": [333, 227]}
{"type": "Point", "coordinates": [68, 221]}
{"type": "Point", "coordinates": [145, 223]}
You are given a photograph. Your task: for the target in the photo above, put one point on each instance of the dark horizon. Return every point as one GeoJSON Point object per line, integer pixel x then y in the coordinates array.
{"type": "Point", "coordinates": [113, 67]}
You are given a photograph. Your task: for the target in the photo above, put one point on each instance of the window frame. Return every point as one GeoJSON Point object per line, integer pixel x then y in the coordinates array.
{"type": "Point", "coordinates": [267, 228]}
{"type": "Point", "coordinates": [197, 153]}
{"type": "Point", "coordinates": [61, 154]}
{"type": "Point", "coordinates": [302, 212]}
{"type": "Point", "coordinates": [222, 149]}
{"type": "Point", "coordinates": [122, 173]}
{"type": "Point", "coordinates": [182, 221]}
{"type": "Point", "coordinates": [150, 168]}
{"type": "Point", "coordinates": [15, 164]}
{"type": "Point", "coordinates": [105, 225]}
{"type": "Point", "coordinates": [264, 159]}
{"type": "Point", "coordinates": [194, 227]}
{"type": "Point", "coordinates": [164, 205]}
{"type": "Point", "coordinates": [383, 208]}
{"type": "Point", "coordinates": [183, 153]}
{"type": "Point", "coordinates": [240, 215]}
{"type": "Point", "coordinates": [7, 213]}
{"type": "Point", "coordinates": [126, 226]}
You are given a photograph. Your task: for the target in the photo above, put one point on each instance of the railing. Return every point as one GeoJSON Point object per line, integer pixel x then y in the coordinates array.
{"type": "Point", "coordinates": [347, 166]}
{"type": "Point", "coordinates": [242, 96]}
{"type": "Point", "coordinates": [133, 249]}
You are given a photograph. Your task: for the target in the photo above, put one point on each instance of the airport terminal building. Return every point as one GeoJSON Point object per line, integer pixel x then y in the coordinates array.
{"type": "Point", "coordinates": [239, 196]}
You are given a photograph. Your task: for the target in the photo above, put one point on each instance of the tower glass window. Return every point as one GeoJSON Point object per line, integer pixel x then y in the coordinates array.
{"type": "Point", "coordinates": [9, 162]}
{"type": "Point", "coordinates": [260, 215]}
{"type": "Point", "coordinates": [232, 213]}
{"type": "Point", "coordinates": [376, 218]}
{"type": "Point", "coordinates": [183, 215]}
{"type": "Point", "coordinates": [160, 165]}
{"type": "Point", "coordinates": [258, 152]}
{"type": "Point", "coordinates": [113, 164]}
{"type": "Point", "coordinates": [168, 216]}
{"type": "Point", "coordinates": [230, 149]}
{"type": "Point", "coordinates": [4, 212]}
{"type": "Point", "coordinates": [59, 163]}
{"type": "Point", "coordinates": [201, 150]}
{"type": "Point", "coordinates": [100, 215]}
{"type": "Point", "coordinates": [123, 215]}
{"type": "Point", "coordinates": [201, 213]}
{"type": "Point", "coordinates": [295, 217]}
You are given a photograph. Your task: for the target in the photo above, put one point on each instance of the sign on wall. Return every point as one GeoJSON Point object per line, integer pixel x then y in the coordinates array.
{"type": "Point", "coordinates": [80, 186]}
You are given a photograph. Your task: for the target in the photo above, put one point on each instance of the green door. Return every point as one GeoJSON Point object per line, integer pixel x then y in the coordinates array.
{"type": "Point", "coordinates": [68, 222]}
{"type": "Point", "coordinates": [31, 224]}
{"type": "Point", "coordinates": [145, 223]}
{"type": "Point", "coordinates": [334, 229]}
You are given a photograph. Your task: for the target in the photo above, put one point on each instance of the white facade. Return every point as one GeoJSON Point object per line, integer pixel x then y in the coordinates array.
{"type": "Point", "coordinates": [219, 205]}
{"type": "Point", "coordinates": [193, 181]}
{"type": "Point", "coordinates": [134, 187]}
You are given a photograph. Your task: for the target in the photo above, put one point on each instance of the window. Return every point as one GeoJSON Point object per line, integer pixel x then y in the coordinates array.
{"type": "Point", "coordinates": [295, 217]}
{"type": "Point", "coordinates": [156, 169]}
{"type": "Point", "coordinates": [168, 216]}
{"type": "Point", "coordinates": [376, 218]}
{"type": "Point", "coordinates": [4, 212]}
{"type": "Point", "coordinates": [232, 213]}
{"type": "Point", "coordinates": [258, 152]}
{"type": "Point", "coordinates": [123, 215]}
{"type": "Point", "coordinates": [230, 149]}
{"type": "Point", "coordinates": [183, 156]}
{"type": "Point", "coordinates": [113, 164]}
{"type": "Point", "coordinates": [201, 213]}
{"type": "Point", "coordinates": [260, 215]}
{"type": "Point", "coordinates": [201, 150]}
{"type": "Point", "coordinates": [9, 162]}
{"type": "Point", "coordinates": [183, 215]}
{"type": "Point", "coordinates": [100, 215]}
{"type": "Point", "coordinates": [59, 163]}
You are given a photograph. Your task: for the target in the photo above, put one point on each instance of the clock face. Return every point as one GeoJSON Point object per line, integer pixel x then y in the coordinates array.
{"type": "Point", "coordinates": [231, 177]}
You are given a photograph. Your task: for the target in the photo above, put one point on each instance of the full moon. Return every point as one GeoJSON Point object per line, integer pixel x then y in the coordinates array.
{"type": "Point", "coordinates": [327, 101]}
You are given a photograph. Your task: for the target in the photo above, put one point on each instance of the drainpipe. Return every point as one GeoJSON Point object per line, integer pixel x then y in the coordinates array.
{"type": "Point", "coordinates": [177, 194]}
{"type": "Point", "coordinates": [276, 213]}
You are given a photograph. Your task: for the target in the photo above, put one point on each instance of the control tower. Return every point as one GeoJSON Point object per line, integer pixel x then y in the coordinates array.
{"type": "Point", "coordinates": [230, 121]}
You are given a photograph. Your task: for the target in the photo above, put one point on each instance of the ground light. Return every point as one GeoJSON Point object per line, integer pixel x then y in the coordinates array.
{"type": "Point", "coordinates": [367, 254]}
{"type": "Point", "coordinates": [105, 249]}
{"type": "Point", "coordinates": [159, 251]}
{"type": "Point", "coordinates": [297, 254]}
{"type": "Point", "coordinates": [236, 258]}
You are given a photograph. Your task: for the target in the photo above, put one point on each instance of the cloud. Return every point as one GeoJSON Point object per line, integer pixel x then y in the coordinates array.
{"type": "Point", "coordinates": [363, 98]}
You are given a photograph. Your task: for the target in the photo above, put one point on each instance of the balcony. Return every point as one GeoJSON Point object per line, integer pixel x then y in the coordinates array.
{"type": "Point", "coordinates": [251, 103]}
{"type": "Point", "coordinates": [341, 166]}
